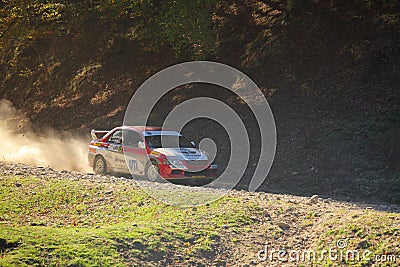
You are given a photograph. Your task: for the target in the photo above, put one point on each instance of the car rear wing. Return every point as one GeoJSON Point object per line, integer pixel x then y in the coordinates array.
{"type": "Point", "coordinates": [97, 134]}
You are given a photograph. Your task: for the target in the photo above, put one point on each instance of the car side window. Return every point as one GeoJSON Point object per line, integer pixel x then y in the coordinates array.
{"type": "Point", "coordinates": [131, 138]}
{"type": "Point", "coordinates": [116, 137]}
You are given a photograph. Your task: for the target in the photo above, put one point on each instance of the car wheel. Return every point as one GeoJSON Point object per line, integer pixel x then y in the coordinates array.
{"type": "Point", "coordinates": [153, 172]}
{"type": "Point", "coordinates": [100, 166]}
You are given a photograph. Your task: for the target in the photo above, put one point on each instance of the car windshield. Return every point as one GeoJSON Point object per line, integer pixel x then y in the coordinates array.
{"type": "Point", "coordinates": [169, 141]}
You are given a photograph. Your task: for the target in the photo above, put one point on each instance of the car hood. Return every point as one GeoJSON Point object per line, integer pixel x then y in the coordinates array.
{"type": "Point", "coordinates": [182, 153]}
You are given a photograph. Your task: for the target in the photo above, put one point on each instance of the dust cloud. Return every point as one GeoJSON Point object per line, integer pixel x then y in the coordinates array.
{"type": "Point", "coordinates": [21, 144]}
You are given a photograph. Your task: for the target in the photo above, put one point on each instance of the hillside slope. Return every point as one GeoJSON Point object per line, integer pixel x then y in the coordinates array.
{"type": "Point", "coordinates": [330, 70]}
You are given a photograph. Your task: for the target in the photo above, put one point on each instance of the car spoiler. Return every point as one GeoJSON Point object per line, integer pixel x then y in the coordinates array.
{"type": "Point", "coordinates": [97, 134]}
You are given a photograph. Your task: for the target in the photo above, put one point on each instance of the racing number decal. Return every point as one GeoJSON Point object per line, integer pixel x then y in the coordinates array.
{"type": "Point", "coordinates": [133, 166]}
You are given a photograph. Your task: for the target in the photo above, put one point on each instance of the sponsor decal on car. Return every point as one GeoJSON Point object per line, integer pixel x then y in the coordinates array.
{"type": "Point", "coordinates": [116, 148]}
{"type": "Point", "coordinates": [155, 153]}
{"type": "Point", "coordinates": [116, 159]}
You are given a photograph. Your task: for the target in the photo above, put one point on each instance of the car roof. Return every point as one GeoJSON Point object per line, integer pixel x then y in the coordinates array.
{"type": "Point", "coordinates": [145, 128]}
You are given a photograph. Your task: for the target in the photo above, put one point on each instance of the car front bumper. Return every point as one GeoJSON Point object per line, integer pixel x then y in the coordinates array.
{"type": "Point", "coordinates": [169, 172]}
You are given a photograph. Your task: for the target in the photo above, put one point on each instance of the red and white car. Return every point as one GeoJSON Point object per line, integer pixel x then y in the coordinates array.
{"type": "Point", "coordinates": [150, 152]}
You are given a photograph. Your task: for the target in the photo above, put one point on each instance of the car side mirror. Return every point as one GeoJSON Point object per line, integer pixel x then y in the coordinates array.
{"type": "Point", "coordinates": [141, 145]}
{"type": "Point", "coordinates": [193, 143]}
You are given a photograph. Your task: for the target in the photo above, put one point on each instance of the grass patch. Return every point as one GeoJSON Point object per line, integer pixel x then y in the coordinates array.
{"type": "Point", "coordinates": [62, 222]}
{"type": "Point", "coordinates": [58, 222]}
{"type": "Point", "coordinates": [371, 232]}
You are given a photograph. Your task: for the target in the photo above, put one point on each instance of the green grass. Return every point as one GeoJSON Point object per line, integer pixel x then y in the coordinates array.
{"type": "Point", "coordinates": [363, 230]}
{"type": "Point", "coordinates": [58, 222]}
{"type": "Point", "coordinates": [62, 222]}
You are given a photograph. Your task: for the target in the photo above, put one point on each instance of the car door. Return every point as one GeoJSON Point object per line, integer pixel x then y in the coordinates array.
{"type": "Point", "coordinates": [115, 149]}
{"type": "Point", "coordinates": [135, 156]}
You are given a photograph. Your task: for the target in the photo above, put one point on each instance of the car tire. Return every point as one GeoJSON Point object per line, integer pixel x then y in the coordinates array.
{"type": "Point", "coordinates": [100, 166]}
{"type": "Point", "coordinates": [153, 172]}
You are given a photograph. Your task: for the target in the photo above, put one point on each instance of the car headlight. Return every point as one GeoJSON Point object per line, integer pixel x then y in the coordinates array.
{"type": "Point", "coordinates": [172, 162]}
{"type": "Point", "coordinates": [176, 162]}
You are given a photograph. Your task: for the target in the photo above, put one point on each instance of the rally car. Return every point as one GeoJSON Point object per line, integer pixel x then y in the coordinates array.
{"type": "Point", "coordinates": [151, 152]}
